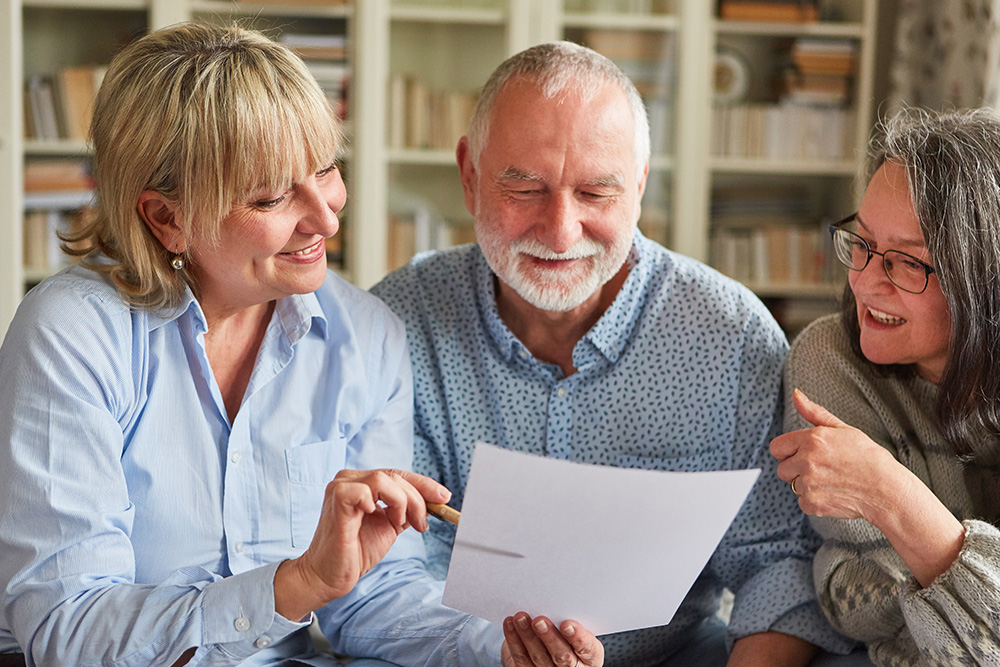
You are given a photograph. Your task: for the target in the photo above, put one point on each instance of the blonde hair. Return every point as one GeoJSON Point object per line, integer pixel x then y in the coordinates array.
{"type": "Point", "coordinates": [206, 116]}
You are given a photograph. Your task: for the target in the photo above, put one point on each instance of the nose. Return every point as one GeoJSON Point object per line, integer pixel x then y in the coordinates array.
{"type": "Point", "coordinates": [321, 201]}
{"type": "Point", "coordinates": [561, 225]}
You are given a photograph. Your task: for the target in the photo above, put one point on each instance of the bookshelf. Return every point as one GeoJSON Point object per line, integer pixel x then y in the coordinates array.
{"type": "Point", "coordinates": [404, 191]}
{"type": "Point", "coordinates": [786, 151]}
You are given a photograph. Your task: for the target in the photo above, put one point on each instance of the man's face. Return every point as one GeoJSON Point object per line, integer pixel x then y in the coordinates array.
{"type": "Point", "coordinates": [556, 193]}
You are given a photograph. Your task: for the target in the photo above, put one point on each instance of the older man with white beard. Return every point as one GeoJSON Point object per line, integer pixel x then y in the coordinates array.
{"type": "Point", "coordinates": [564, 332]}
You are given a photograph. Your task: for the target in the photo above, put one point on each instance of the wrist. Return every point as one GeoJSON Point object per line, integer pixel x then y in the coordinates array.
{"type": "Point", "coordinates": [295, 597]}
{"type": "Point", "coordinates": [924, 533]}
{"type": "Point", "coordinates": [891, 494]}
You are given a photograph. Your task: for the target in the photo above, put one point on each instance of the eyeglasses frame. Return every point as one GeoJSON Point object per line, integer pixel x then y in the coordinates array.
{"type": "Point", "coordinates": [928, 269]}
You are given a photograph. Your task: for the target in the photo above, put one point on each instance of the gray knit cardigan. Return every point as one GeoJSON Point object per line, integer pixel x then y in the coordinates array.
{"type": "Point", "coordinates": [863, 586]}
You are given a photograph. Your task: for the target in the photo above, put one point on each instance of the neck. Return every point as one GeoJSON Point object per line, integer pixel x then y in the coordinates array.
{"type": "Point", "coordinates": [551, 336]}
{"type": "Point", "coordinates": [231, 344]}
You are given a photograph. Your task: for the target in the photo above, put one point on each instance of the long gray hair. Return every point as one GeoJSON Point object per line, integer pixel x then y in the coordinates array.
{"type": "Point", "coordinates": [559, 67]}
{"type": "Point", "coordinates": [952, 162]}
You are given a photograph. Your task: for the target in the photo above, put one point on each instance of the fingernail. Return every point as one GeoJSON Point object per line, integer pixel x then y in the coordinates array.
{"type": "Point", "coordinates": [522, 621]}
{"type": "Point", "coordinates": [541, 625]}
{"type": "Point", "coordinates": [569, 630]}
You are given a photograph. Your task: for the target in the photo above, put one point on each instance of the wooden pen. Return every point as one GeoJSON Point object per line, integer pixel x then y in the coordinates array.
{"type": "Point", "coordinates": [443, 512]}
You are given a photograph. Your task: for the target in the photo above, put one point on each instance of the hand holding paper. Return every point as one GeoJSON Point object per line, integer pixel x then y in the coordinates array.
{"type": "Point", "coordinates": [613, 548]}
{"type": "Point", "coordinates": [539, 643]}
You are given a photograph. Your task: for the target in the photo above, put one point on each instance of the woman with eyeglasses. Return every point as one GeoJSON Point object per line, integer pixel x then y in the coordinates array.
{"type": "Point", "coordinates": [892, 417]}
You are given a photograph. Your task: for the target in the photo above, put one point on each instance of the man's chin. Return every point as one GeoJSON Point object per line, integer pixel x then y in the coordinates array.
{"type": "Point", "coordinates": [553, 296]}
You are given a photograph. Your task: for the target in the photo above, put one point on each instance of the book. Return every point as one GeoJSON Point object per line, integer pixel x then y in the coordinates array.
{"type": "Point", "coordinates": [41, 98]}
{"type": "Point", "coordinates": [52, 175]}
{"type": "Point", "coordinates": [293, 3]}
{"type": "Point", "coordinates": [770, 11]}
{"type": "Point", "coordinates": [322, 47]}
{"type": "Point", "coordinates": [76, 97]}
{"type": "Point", "coordinates": [42, 245]}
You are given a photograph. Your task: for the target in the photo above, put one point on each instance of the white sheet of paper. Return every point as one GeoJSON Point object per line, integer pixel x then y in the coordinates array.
{"type": "Point", "coordinates": [615, 549]}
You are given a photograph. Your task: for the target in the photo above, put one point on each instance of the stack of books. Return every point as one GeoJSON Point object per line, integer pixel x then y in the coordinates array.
{"type": "Point", "coordinates": [822, 71]}
{"type": "Point", "coordinates": [326, 58]}
{"type": "Point", "coordinates": [323, 3]}
{"type": "Point", "coordinates": [57, 175]}
{"type": "Point", "coordinates": [57, 192]}
{"type": "Point", "coordinates": [770, 11]}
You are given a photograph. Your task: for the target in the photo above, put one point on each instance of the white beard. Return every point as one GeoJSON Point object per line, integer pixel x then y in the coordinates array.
{"type": "Point", "coordinates": [553, 289]}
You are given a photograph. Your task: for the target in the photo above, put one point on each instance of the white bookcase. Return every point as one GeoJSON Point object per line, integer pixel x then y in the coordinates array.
{"type": "Point", "coordinates": [404, 196]}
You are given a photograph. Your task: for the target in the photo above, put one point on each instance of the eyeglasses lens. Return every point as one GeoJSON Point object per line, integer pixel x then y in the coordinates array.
{"type": "Point", "coordinates": [904, 271]}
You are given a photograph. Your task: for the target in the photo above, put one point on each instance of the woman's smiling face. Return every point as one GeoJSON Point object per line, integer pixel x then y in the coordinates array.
{"type": "Point", "coordinates": [898, 327]}
{"type": "Point", "coordinates": [272, 246]}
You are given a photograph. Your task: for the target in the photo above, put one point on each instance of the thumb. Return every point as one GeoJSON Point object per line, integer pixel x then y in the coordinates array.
{"type": "Point", "coordinates": [814, 413]}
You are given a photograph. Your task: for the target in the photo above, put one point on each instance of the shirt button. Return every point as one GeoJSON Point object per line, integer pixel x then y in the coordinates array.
{"type": "Point", "coordinates": [614, 349]}
{"type": "Point", "coordinates": [238, 547]}
{"type": "Point", "coordinates": [523, 354]}
{"type": "Point", "coordinates": [561, 392]}
{"type": "Point", "coordinates": [262, 642]}
{"type": "Point", "coordinates": [236, 457]}
{"type": "Point", "coordinates": [242, 624]}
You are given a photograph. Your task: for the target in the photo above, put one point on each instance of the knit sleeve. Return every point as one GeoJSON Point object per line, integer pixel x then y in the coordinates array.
{"type": "Point", "coordinates": [956, 620]}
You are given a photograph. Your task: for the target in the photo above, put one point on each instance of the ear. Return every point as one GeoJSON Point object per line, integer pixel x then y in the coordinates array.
{"type": "Point", "coordinates": [159, 214]}
{"type": "Point", "coordinates": [468, 173]}
{"type": "Point", "coordinates": [642, 189]}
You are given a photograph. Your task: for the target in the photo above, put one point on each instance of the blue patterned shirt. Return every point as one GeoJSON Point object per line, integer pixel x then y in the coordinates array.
{"type": "Point", "coordinates": [682, 372]}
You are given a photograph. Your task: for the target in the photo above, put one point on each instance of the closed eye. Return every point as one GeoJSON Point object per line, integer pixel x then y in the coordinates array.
{"type": "Point", "coordinates": [267, 204]}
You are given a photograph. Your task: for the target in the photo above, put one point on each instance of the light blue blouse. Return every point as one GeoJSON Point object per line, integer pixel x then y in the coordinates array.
{"type": "Point", "coordinates": [136, 520]}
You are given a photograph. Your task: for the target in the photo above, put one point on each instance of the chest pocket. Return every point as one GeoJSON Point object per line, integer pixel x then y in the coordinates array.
{"type": "Point", "coordinates": [310, 468]}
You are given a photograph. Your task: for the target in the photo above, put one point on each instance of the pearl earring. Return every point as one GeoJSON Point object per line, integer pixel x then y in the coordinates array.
{"type": "Point", "coordinates": [177, 262]}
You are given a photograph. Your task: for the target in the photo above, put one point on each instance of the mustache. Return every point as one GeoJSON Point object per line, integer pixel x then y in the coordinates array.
{"type": "Point", "coordinates": [579, 250]}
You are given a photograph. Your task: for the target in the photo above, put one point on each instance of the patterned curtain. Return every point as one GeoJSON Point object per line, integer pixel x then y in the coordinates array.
{"type": "Point", "coordinates": [947, 54]}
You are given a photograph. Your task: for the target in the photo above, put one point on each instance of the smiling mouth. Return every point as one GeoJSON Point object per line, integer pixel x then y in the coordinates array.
{"type": "Point", "coordinates": [885, 318]}
{"type": "Point", "coordinates": [305, 251]}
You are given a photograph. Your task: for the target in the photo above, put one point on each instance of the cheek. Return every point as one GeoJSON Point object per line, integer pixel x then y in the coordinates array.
{"type": "Point", "coordinates": [504, 221]}
{"type": "Point", "coordinates": [939, 319]}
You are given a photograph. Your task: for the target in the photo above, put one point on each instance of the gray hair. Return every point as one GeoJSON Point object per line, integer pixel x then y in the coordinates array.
{"type": "Point", "coordinates": [556, 67]}
{"type": "Point", "coordinates": [952, 162]}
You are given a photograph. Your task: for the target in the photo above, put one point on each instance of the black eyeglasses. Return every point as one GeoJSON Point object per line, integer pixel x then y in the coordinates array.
{"type": "Point", "coordinates": [904, 271]}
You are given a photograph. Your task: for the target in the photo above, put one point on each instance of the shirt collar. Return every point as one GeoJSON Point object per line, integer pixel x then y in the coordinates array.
{"type": "Point", "coordinates": [295, 313]}
{"type": "Point", "coordinates": [608, 336]}
{"type": "Point", "coordinates": [163, 316]}
{"type": "Point", "coordinates": [298, 312]}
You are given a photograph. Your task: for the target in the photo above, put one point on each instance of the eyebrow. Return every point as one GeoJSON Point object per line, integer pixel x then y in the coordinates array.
{"type": "Point", "coordinates": [515, 174]}
{"type": "Point", "coordinates": [611, 180]}
{"type": "Point", "coordinates": [903, 242]}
